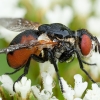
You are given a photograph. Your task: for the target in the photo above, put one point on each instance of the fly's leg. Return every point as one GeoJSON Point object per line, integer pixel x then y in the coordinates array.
{"type": "Point", "coordinates": [52, 60]}
{"type": "Point", "coordinates": [93, 64]}
{"type": "Point", "coordinates": [14, 71]}
{"type": "Point", "coordinates": [81, 66]}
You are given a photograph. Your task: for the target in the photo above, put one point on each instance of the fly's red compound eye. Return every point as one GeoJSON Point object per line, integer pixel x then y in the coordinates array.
{"type": "Point", "coordinates": [85, 45]}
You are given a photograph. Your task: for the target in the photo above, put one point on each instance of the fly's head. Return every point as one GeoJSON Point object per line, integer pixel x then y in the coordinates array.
{"type": "Point", "coordinates": [87, 42]}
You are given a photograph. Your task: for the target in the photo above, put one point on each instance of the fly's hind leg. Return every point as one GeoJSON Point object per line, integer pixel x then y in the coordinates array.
{"type": "Point", "coordinates": [16, 70]}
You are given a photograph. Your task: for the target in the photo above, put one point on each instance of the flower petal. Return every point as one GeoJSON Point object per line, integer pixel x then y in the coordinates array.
{"type": "Point", "coordinates": [68, 91]}
{"type": "Point", "coordinates": [47, 81]}
{"type": "Point", "coordinates": [23, 86]}
{"type": "Point", "coordinates": [79, 85]}
{"type": "Point", "coordinates": [93, 94]}
{"type": "Point", "coordinates": [6, 79]}
{"type": "Point", "coordinates": [7, 83]}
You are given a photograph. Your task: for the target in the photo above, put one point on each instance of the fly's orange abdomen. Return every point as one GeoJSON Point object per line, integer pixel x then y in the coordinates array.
{"type": "Point", "coordinates": [19, 58]}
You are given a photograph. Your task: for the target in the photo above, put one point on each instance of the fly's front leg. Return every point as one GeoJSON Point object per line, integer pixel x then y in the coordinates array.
{"type": "Point", "coordinates": [93, 64]}
{"type": "Point", "coordinates": [52, 60]}
{"type": "Point", "coordinates": [82, 67]}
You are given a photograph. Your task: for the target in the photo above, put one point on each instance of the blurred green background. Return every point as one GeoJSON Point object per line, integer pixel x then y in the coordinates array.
{"type": "Point", "coordinates": [75, 14]}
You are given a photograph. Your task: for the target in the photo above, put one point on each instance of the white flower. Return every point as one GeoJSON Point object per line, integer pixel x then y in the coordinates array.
{"type": "Point", "coordinates": [7, 83]}
{"type": "Point", "coordinates": [93, 24]}
{"type": "Point", "coordinates": [47, 67]}
{"type": "Point", "coordinates": [47, 81]}
{"type": "Point", "coordinates": [46, 93]}
{"type": "Point", "coordinates": [80, 86]}
{"type": "Point", "coordinates": [43, 95]}
{"type": "Point", "coordinates": [77, 99]}
{"type": "Point", "coordinates": [44, 5]}
{"type": "Point", "coordinates": [68, 91]}
{"type": "Point", "coordinates": [93, 94]}
{"type": "Point", "coordinates": [95, 70]}
{"type": "Point", "coordinates": [9, 8]}
{"type": "Point", "coordinates": [0, 98]}
{"type": "Point", "coordinates": [97, 7]}
{"type": "Point", "coordinates": [23, 86]}
{"type": "Point", "coordinates": [60, 15]}
{"type": "Point", "coordinates": [74, 94]}
{"type": "Point", "coordinates": [82, 7]}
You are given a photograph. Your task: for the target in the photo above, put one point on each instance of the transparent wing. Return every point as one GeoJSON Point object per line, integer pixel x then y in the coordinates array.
{"type": "Point", "coordinates": [18, 24]}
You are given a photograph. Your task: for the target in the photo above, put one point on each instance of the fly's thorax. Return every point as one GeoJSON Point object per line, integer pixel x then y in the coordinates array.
{"type": "Point", "coordinates": [64, 45]}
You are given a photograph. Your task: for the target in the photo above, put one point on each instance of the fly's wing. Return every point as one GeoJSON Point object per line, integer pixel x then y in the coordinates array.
{"type": "Point", "coordinates": [18, 24]}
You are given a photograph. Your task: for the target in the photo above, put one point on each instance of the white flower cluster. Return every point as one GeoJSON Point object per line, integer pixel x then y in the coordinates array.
{"type": "Point", "coordinates": [76, 93]}
{"type": "Point", "coordinates": [46, 93]}
{"type": "Point", "coordinates": [93, 94]}
{"type": "Point", "coordinates": [24, 88]}
{"type": "Point", "coordinates": [79, 88]}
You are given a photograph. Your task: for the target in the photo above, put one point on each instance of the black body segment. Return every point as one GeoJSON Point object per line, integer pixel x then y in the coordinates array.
{"type": "Point", "coordinates": [56, 30]}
